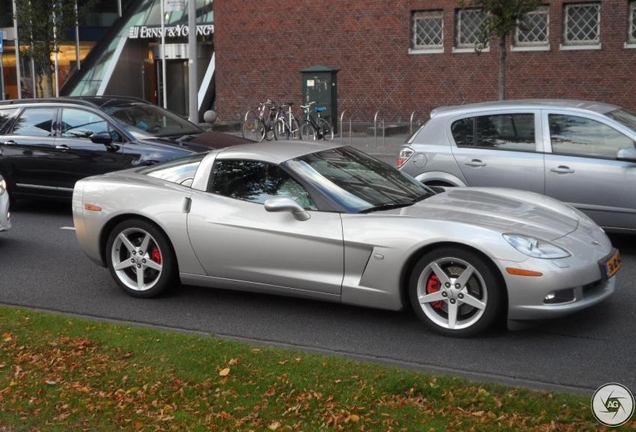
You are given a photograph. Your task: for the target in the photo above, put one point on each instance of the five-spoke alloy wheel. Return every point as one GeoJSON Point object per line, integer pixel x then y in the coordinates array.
{"type": "Point", "coordinates": [141, 259]}
{"type": "Point", "coordinates": [455, 292]}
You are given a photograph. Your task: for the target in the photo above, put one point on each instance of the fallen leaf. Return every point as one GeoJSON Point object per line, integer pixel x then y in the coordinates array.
{"type": "Point", "coordinates": [50, 382]}
{"type": "Point", "coordinates": [274, 426]}
{"type": "Point", "coordinates": [224, 372]}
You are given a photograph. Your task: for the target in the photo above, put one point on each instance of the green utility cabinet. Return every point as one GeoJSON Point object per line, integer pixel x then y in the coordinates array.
{"type": "Point", "coordinates": [319, 84]}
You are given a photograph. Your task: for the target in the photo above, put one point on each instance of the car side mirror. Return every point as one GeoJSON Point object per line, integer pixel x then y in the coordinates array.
{"type": "Point", "coordinates": [627, 154]}
{"type": "Point", "coordinates": [102, 138]}
{"type": "Point", "coordinates": [284, 204]}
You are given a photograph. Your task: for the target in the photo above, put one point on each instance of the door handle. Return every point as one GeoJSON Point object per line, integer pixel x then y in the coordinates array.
{"type": "Point", "coordinates": [62, 147]}
{"type": "Point", "coordinates": [8, 143]}
{"type": "Point", "coordinates": [475, 163]}
{"type": "Point", "coordinates": [562, 169]}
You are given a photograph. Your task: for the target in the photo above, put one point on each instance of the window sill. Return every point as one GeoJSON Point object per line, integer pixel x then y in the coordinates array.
{"type": "Point", "coordinates": [630, 45]}
{"type": "Point", "coordinates": [529, 48]}
{"type": "Point", "coordinates": [426, 51]}
{"type": "Point", "coordinates": [579, 47]}
{"type": "Point", "coordinates": [468, 50]}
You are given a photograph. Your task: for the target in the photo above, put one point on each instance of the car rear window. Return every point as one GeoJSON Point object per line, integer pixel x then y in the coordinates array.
{"type": "Point", "coordinates": [180, 171]}
{"type": "Point", "coordinates": [500, 131]}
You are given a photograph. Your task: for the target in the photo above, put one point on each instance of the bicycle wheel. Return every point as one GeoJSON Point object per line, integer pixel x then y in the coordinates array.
{"type": "Point", "coordinates": [326, 130]}
{"type": "Point", "coordinates": [269, 130]}
{"type": "Point", "coordinates": [295, 132]}
{"type": "Point", "coordinates": [279, 128]}
{"type": "Point", "coordinates": [308, 131]}
{"type": "Point", "coordinates": [251, 129]}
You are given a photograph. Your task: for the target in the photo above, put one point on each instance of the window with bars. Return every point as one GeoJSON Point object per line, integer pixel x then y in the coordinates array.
{"type": "Point", "coordinates": [631, 37]}
{"type": "Point", "coordinates": [428, 30]}
{"type": "Point", "coordinates": [533, 30]}
{"type": "Point", "coordinates": [469, 25]}
{"type": "Point", "coordinates": [582, 24]}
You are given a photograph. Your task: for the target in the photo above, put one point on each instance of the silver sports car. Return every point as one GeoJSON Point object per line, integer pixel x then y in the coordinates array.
{"type": "Point", "coordinates": [328, 222]}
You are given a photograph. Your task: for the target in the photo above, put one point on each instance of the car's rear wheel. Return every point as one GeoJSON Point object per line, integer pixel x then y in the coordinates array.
{"type": "Point", "coordinates": [455, 292]}
{"type": "Point", "coordinates": [141, 259]}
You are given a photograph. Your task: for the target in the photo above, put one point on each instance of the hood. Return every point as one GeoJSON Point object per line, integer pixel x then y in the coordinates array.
{"type": "Point", "coordinates": [503, 210]}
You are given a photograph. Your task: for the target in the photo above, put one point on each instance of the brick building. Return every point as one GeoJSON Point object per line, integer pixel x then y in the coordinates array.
{"type": "Point", "coordinates": [401, 56]}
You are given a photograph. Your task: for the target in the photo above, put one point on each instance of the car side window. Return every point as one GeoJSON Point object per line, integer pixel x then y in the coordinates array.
{"type": "Point", "coordinates": [78, 123]}
{"type": "Point", "coordinates": [580, 136]}
{"type": "Point", "coordinates": [5, 116]}
{"type": "Point", "coordinates": [256, 182]}
{"type": "Point", "coordinates": [35, 122]}
{"type": "Point", "coordinates": [514, 132]}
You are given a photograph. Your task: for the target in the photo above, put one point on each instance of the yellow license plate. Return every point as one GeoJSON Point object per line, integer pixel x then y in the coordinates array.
{"type": "Point", "coordinates": [611, 265]}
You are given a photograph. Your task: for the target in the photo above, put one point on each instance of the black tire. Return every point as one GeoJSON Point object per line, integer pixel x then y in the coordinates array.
{"type": "Point", "coordinates": [307, 131]}
{"type": "Point", "coordinates": [474, 293]}
{"type": "Point", "coordinates": [125, 257]}
{"type": "Point", "coordinates": [326, 130]}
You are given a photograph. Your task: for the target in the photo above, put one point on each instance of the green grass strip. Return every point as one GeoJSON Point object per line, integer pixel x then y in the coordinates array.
{"type": "Point", "coordinates": [65, 374]}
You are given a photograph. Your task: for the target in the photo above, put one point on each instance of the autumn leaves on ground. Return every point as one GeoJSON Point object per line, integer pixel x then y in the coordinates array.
{"type": "Point", "coordinates": [61, 374]}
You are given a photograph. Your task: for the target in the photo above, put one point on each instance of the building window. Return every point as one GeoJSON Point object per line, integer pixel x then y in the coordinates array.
{"type": "Point", "coordinates": [533, 30]}
{"type": "Point", "coordinates": [428, 31]}
{"type": "Point", "coordinates": [582, 25]}
{"type": "Point", "coordinates": [631, 37]}
{"type": "Point", "coordinates": [470, 24]}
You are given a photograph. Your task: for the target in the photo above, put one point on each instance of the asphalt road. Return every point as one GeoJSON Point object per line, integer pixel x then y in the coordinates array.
{"type": "Point", "coordinates": [41, 266]}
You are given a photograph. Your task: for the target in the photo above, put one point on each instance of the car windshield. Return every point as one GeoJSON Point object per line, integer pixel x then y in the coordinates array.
{"type": "Point", "coordinates": [358, 182]}
{"type": "Point", "coordinates": [624, 117]}
{"type": "Point", "coordinates": [150, 121]}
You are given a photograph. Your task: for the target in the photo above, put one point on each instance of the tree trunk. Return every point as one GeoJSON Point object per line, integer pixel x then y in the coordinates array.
{"type": "Point", "coordinates": [502, 68]}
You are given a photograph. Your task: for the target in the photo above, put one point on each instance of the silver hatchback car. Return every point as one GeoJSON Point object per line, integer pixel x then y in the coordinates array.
{"type": "Point", "coordinates": [582, 153]}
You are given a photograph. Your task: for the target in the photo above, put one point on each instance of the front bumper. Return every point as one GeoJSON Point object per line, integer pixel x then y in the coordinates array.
{"type": "Point", "coordinates": [567, 285]}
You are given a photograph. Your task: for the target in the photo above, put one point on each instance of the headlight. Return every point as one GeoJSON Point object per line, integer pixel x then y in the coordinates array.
{"type": "Point", "coordinates": [534, 247]}
{"type": "Point", "coordinates": [3, 186]}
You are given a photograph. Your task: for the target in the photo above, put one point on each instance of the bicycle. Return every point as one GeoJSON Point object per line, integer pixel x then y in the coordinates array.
{"type": "Point", "coordinates": [260, 127]}
{"type": "Point", "coordinates": [286, 124]}
{"type": "Point", "coordinates": [313, 128]}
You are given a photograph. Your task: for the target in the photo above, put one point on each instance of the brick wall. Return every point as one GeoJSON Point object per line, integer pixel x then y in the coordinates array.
{"type": "Point", "coordinates": [261, 45]}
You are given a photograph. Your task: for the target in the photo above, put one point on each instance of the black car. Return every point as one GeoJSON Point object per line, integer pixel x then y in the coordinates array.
{"type": "Point", "coordinates": [46, 145]}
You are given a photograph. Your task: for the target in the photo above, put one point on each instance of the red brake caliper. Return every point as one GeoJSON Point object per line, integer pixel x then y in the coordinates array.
{"type": "Point", "coordinates": [433, 285]}
{"type": "Point", "coordinates": [156, 255]}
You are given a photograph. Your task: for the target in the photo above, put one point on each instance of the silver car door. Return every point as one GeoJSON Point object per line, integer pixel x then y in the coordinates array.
{"type": "Point", "coordinates": [501, 149]}
{"type": "Point", "coordinates": [582, 168]}
{"type": "Point", "coordinates": [235, 238]}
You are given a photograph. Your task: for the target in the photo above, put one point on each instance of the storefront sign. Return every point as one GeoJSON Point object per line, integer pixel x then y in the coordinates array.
{"type": "Point", "coordinates": [174, 5]}
{"type": "Point", "coordinates": [151, 32]}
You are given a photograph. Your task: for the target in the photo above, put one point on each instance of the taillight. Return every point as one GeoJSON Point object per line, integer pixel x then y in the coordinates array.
{"type": "Point", "coordinates": [403, 156]}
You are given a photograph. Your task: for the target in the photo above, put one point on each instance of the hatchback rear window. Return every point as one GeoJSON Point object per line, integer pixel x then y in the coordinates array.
{"type": "Point", "coordinates": [500, 131]}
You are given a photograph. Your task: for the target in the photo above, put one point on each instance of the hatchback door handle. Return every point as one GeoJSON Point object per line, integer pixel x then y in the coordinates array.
{"type": "Point", "coordinates": [62, 147]}
{"type": "Point", "coordinates": [475, 163]}
{"type": "Point", "coordinates": [562, 169]}
{"type": "Point", "coordinates": [8, 143]}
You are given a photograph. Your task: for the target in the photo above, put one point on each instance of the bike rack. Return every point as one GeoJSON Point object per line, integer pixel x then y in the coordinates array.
{"type": "Point", "coordinates": [341, 134]}
{"type": "Point", "coordinates": [419, 121]}
{"type": "Point", "coordinates": [375, 130]}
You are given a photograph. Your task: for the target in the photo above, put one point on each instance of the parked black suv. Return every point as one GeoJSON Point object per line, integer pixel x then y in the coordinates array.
{"type": "Point", "coordinates": [46, 145]}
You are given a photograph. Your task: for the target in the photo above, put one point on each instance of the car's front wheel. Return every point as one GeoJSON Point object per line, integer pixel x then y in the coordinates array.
{"type": "Point", "coordinates": [455, 292]}
{"type": "Point", "coordinates": [141, 259]}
